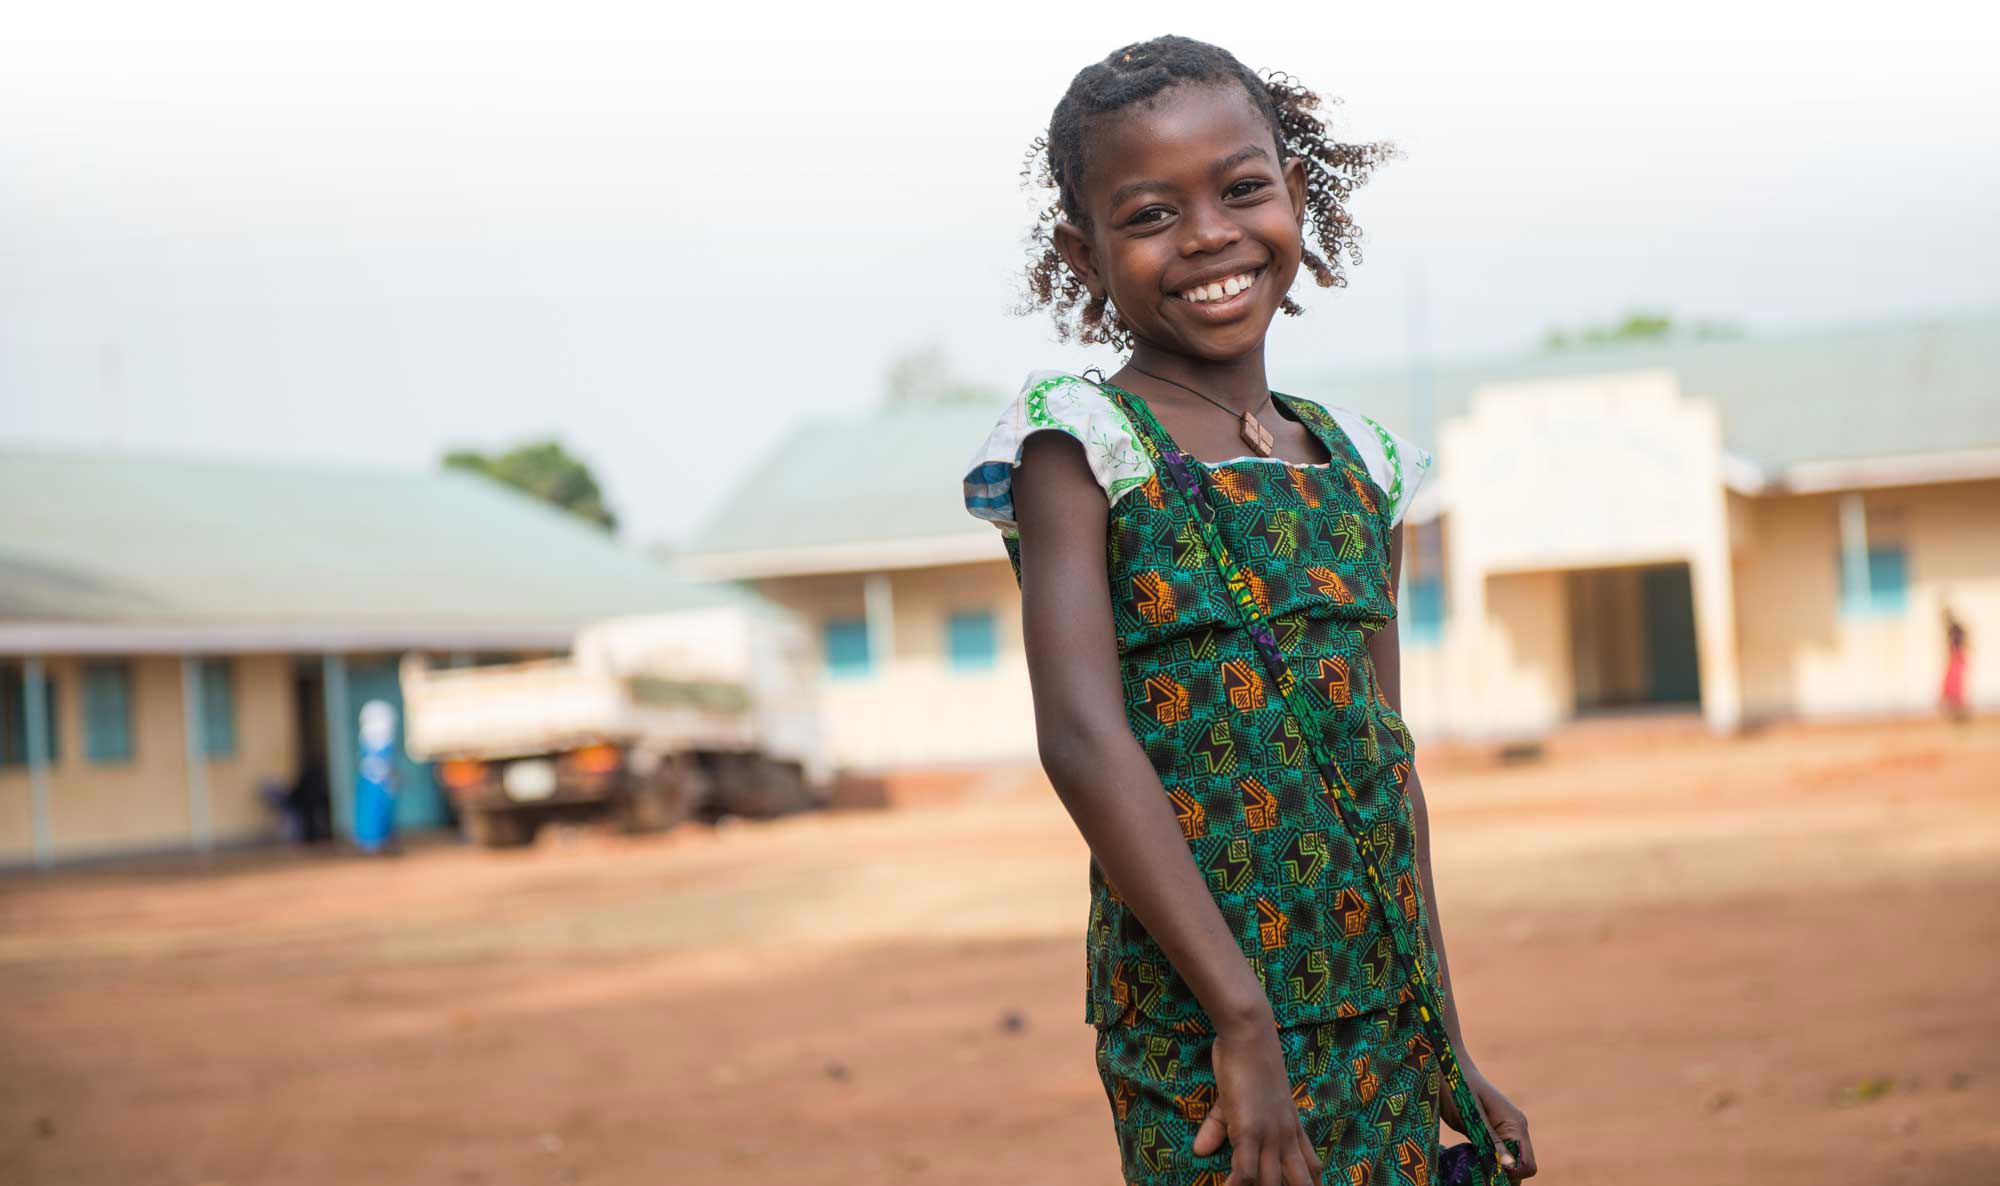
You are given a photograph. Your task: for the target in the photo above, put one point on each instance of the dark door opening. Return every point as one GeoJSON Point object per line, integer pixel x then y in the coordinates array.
{"type": "Point", "coordinates": [1632, 638]}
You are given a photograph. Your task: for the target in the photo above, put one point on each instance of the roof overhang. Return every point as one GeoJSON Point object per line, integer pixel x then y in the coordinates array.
{"type": "Point", "coordinates": [135, 638]}
{"type": "Point", "coordinates": [967, 547]}
{"type": "Point", "coordinates": [1865, 473]}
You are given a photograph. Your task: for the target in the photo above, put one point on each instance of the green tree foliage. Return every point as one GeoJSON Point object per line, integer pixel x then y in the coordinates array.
{"type": "Point", "coordinates": [544, 469]}
{"type": "Point", "coordinates": [924, 378]}
{"type": "Point", "coordinates": [1638, 326]}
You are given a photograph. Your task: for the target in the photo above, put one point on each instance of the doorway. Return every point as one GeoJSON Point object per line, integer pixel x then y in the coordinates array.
{"type": "Point", "coordinates": [1632, 638]}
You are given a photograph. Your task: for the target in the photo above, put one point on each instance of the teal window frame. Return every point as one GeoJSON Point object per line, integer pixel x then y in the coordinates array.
{"type": "Point", "coordinates": [218, 707]}
{"type": "Point", "coordinates": [972, 640]}
{"type": "Point", "coordinates": [847, 646]}
{"type": "Point", "coordinates": [1888, 584]}
{"type": "Point", "coordinates": [14, 715]}
{"type": "Point", "coordinates": [107, 711]}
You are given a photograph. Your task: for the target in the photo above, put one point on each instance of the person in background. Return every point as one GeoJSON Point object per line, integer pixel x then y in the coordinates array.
{"type": "Point", "coordinates": [1952, 696]}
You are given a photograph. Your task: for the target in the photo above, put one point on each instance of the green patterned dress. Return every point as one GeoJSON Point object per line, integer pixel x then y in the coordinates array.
{"type": "Point", "coordinates": [1239, 774]}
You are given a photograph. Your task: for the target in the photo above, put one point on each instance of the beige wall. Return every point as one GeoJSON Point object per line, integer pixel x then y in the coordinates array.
{"type": "Point", "coordinates": [105, 807]}
{"type": "Point", "coordinates": [1802, 656]}
{"type": "Point", "coordinates": [914, 709]}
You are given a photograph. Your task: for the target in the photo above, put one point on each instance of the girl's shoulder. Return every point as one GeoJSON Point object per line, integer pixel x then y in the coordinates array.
{"type": "Point", "coordinates": [1397, 464]}
{"type": "Point", "coordinates": [1054, 401]}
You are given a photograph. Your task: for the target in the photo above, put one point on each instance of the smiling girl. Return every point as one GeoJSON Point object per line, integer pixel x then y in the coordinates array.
{"type": "Point", "coordinates": [1208, 570]}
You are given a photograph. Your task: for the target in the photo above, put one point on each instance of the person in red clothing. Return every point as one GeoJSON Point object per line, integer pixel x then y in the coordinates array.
{"type": "Point", "coordinates": [1952, 698]}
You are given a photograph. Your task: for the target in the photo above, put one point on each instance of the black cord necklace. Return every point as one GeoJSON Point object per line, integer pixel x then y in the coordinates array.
{"type": "Point", "coordinates": [1254, 433]}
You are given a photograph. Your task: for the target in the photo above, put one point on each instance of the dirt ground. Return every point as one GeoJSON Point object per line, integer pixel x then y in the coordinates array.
{"type": "Point", "coordinates": [1770, 959]}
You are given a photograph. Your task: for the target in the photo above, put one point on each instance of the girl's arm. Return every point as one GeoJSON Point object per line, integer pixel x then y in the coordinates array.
{"type": "Point", "coordinates": [1112, 792]}
{"type": "Point", "coordinates": [1504, 1120]}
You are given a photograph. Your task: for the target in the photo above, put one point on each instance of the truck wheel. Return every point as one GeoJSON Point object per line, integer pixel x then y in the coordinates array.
{"type": "Point", "coordinates": [499, 829]}
{"type": "Point", "coordinates": [664, 798]}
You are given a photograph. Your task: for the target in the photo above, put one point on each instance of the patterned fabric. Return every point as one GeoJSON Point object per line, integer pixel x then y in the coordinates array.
{"type": "Point", "coordinates": [1366, 1088]}
{"type": "Point", "coordinates": [1235, 765]}
{"type": "Point", "coordinates": [1053, 400]}
{"type": "Point", "coordinates": [1244, 587]}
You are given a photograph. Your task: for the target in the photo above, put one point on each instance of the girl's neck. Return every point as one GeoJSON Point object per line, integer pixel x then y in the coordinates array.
{"type": "Point", "coordinates": [1237, 382]}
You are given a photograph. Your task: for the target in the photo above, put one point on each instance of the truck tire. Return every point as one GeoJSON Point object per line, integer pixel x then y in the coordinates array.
{"type": "Point", "coordinates": [499, 829]}
{"type": "Point", "coordinates": [666, 797]}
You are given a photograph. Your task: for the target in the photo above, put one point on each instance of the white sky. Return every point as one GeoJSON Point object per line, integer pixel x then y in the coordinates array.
{"type": "Point", "coordinates": [379, 231]}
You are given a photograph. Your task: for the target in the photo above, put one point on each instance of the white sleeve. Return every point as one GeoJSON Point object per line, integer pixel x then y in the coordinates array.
{"type": "Point", "coordinates": [1058, 402]}
{"type": "Point", "coordinates": [1397, 464]}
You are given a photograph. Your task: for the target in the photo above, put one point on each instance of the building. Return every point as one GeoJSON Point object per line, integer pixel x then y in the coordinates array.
{"type": "Point", "coordinates": [175, 633]}
{"type": "Point", "coordinates": [1746, 528]}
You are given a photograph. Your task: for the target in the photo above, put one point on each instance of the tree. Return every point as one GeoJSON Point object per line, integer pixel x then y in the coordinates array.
{"type": "Point", "coordinates": [544, 469]}
{"type": "Point", "coordinates": [1637, 327]}
{"type": "Point", "coordinates": [924, 378]}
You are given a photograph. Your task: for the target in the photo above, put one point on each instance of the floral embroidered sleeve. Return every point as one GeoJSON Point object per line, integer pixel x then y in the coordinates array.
{"type": "Point", "coordinates": [1051, 401]}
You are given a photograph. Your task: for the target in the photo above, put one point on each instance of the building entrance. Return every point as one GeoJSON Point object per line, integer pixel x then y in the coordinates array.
{"type": "Point", "coordinates": [1632, 637]}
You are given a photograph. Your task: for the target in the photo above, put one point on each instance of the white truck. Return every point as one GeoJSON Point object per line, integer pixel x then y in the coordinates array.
{"type": "Point", "coordinates": [648, 721]}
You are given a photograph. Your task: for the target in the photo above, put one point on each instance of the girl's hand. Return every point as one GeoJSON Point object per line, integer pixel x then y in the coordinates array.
{"type": "Point", "coordinates": [1505, 1121]}
{"type": "Point", "coordinates": [1255, 1112]}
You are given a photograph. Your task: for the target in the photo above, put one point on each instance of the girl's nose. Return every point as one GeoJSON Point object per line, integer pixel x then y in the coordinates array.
{"type": "Point", "coordinates": [1210, 229]}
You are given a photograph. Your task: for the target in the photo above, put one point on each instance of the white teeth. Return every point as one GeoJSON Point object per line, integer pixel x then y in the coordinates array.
{"type": "Point", "coordinates": [1221, 289]}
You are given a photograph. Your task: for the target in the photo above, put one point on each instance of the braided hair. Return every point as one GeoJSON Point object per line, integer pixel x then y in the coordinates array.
{"type": "Point", "coordinates": [1133, 75]}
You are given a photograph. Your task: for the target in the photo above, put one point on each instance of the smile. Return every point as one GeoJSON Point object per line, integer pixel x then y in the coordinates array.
{"type": "Point", "coordinates": [1222, 290]}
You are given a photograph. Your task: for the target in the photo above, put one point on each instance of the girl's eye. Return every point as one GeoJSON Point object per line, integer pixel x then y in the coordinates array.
{"type": "Point", "coordinates": [1245, 187]}
{"type": "Point", "coordinates": [1149, 214]}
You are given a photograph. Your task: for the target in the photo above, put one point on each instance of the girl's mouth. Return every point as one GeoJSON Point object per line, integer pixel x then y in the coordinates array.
{"type": "Point", "coordinates": [1224, 293]}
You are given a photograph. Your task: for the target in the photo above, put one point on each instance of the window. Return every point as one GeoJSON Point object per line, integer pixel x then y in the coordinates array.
{"type": "Point", "coordinates": [218, 708]}
{"type": "Point", "coordinates": [1420, 603]}
{"type": "Point", "coordinates": [14, 715]}
{"type": "Point", "coordinates": [1423, 610]}
{"type": "Point", "coordinates": [970, 641]}
{"type": "Point", "coordinates": [846, 641]}
{"type": "Point", "coordinates": [1888, 584]}
{"type": "Point", "coordinates": [107, 711]}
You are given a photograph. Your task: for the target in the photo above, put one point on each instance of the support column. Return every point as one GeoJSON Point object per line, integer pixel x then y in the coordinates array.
{"type": "Point", "coordinates": [339, 744]}
{"type": "Point", "coordinates": [880, 610]}
{"type": "Point", "coordinates": [195, 730]}
{"type": "Point", "coordinates": [34, 692]}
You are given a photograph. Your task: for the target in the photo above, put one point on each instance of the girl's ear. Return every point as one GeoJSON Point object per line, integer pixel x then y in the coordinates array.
{"type": "Point", "coordinates": [1295, 185]}
{"type": "Point", "coordinates": [1074, 246]}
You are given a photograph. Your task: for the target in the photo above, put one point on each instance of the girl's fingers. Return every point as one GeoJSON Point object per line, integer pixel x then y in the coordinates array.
{"type": "Point", "coordinates": [1313, 1163]}
{"type": "Point", "coordinates": [1271, 1166]}
{"type": "Point", "coordinates": [1208, 1138]}
{"type": "Point", "coordinates": [1294, 1164]}
{"type": "Point", "coordinates": [1242, 1163]}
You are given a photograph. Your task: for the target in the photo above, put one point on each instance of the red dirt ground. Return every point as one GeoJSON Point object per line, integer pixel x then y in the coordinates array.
{"type": "Point", "coordinates": [1772, 959]}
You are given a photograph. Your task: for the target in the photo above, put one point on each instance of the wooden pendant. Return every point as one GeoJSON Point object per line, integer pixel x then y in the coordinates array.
{"type": "Point", "coordinates": [1257, 436]}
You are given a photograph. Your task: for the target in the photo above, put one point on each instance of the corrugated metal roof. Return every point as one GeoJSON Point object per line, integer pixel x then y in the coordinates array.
{"type": "Point", "coordinates": [94, 539]}
{"type": "Point", "coordinates": [1920, 387]}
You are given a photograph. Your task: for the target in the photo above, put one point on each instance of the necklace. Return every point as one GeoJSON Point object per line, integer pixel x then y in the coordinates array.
{"type": "Point", "coordinates": [1254, 434]}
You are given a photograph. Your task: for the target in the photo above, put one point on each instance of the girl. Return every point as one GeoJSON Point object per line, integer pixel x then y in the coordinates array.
{"type": "Point", "coordinates": [1207, 571]}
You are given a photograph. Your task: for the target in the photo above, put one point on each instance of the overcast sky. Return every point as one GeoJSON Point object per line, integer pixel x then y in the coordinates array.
{"type": "Point", "coordinates": [381, 231]}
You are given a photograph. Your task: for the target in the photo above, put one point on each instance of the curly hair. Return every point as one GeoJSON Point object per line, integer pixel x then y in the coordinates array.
{"type": "Point", "coordinates": [1056, 162]}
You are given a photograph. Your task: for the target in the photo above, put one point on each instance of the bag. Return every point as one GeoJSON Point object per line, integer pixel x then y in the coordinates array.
{"type": "Point", "coordinates": [1461, 1165]}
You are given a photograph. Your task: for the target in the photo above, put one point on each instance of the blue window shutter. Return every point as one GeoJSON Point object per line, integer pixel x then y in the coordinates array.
{"type": "Point", "coordinates": [14, 715]}
{"type": "Point", "coordinates": [107, 711]}
{"type": "Point", "coordinates": [1888, 584]}
{"type": "Point", "coordinates": [971, 641]}
{"type": "Point", "coordinates": [846, 641]}
{"type": "Point", "coordinates": [218, 708]}
{"type": "Point", "coordinates": [1423, 607]}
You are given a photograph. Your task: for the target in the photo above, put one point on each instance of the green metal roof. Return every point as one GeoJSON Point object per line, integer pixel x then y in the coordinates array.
{"type": "Point", "coordinates": [103, 539]}
{"type": "Point", "coordinates": [1870, 391]}
{"type": "Point", "coordinates": [1825, 395]}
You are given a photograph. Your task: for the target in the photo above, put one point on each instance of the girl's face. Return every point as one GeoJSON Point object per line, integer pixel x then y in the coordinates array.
{"type": "Point", "coordinates": [1194, 224]}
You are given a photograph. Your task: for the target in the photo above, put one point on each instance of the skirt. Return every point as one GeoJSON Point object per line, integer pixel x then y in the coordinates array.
{"type": "Point", "coordinates": [1366, 1089]}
